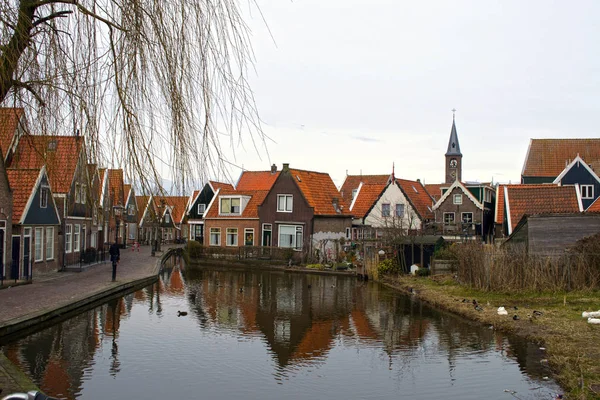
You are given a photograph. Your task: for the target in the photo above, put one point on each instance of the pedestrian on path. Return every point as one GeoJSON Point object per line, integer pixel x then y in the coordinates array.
{"type": "Point", "coordinates": [115, 257]}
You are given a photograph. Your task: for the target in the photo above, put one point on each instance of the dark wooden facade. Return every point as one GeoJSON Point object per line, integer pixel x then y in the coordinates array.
{"type": "Point", "coordinates": [6, 206]}
{"type": "Point", "coordinates": [195, 215]}
{"type": "Point", "coordinates": [551, 234]}
{"type": "Point", "coordinates": [579, 174]}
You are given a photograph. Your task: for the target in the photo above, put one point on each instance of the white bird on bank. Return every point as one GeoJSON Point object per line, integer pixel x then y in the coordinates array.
{"type": "Point", "coordinates": [595, 321]}
{"type": "Point", "coordinates": [591, 314]}
{"type": "Point", "coordinates": [502, 311]}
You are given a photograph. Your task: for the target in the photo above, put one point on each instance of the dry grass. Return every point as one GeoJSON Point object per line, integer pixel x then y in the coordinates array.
{"type": "Point", "coordinates": [571, 343]}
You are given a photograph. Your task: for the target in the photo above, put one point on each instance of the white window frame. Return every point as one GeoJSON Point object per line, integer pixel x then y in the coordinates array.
{"type": "Point", "coordinates": [246, 232]}
{"type": "Point", "coordinates": [38, 234]}
{"type": "Point", "coordinates": [217, 231]}
{"type": "Point", "coordinates": [403, 210]}
{"type": "Point", "coordinates": [76, 238]}
{"type": "Point", "coordinates": [229, 232]}
{"type": "Point", "coordinates": [201, 208]}
{"type": "Point", "coordinates": [348, 233]}
{"type": "Point", "coordinates": [288, 206]}
{"type": "Point", "coordinates": [589, 191]}
{"type": "Point", "coordinates": [354, 192]}
{"type": "Point", "coordinates": [389, 210]}
{"type": "Point", "coordinates": [298, 229]}
{"type": "Point", "coordinates": [83, 194]}
{"type": "Point", "coordinates": [457, 199]}
{"type": "Point", "coordinates": [49, 243]}
{"type": "Point", "coordinates": [453, 218]}
{"type": "Point", "coordinates": [44, 190]}
{"type": "Point", "coordinates": [230, 211]}
{"type": "Point", "coordinates": [68, 238]}
{"type": "Point", "coordinates": [462, 217]}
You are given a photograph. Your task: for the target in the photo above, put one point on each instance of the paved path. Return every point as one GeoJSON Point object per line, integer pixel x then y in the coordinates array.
{"type": "Point", "coordinates": [47, 294]}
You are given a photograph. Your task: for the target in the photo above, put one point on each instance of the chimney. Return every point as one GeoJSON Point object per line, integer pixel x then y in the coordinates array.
{"type": "Point", "coordinates": [273, 168]}
{"type": "Point", "coordinates": [286, 167]}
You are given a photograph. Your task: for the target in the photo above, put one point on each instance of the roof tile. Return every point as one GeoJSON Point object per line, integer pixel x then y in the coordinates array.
{"type": "Point", "coordinates": [9, 121]}
{"type": "Point", "coordinates": [353, 182]}
{"type": "Point", "coordinates": [320, 191]}
{"type": "Point", "coordinates": [256, 180]}
{"type": "Point", "coordinates": [365, 198]}
{"type": "Point", "coordinates": [22, 182]}
{"type": "Point", "coordinates": [250, 211]}
{"type": "Point", "coordinates": [540, 199]}
{"type": "Point", "coordinates": [548, 157]}
{"type": "Point", "coordinates": [177, 204]}
{"type": "Point", "coordinates": [418, 197]}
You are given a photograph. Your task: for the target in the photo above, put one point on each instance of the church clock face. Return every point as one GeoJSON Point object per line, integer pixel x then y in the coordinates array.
{"type": "Point", "coordinates": [453, 174]}
{"type": "Point", "coordinates": [453, 163]}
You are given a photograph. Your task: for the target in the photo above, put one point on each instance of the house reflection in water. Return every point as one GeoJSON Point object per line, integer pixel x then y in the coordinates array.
{"type": "Point", "coordinates": [299, 317]}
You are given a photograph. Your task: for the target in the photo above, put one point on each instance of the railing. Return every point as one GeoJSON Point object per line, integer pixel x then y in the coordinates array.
{"type": "Point", "coordinates": [258, 253]}
{"type": "Point", "coordinates": [92, 256]}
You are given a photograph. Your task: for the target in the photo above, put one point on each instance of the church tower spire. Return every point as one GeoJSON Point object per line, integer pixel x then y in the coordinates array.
{"type": "Point", "coordinates": [453, 155]}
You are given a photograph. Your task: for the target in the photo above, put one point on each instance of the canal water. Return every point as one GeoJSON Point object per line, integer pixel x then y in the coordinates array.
{"type": "Point", "coordinates": [252, 334]}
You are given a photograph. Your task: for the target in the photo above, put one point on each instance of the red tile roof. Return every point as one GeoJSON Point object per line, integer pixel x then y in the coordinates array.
{"type": "Point", "coordinates": [499, 211]}
{"type": "Point", "coordinates": [353, 181]}
{"type": "Point", "coordinates": [115, 187]}
{"type": "Point", "coordinates": [9, 121]}
{"type": "Point", "coordinates": [540, 199]}
{"type": "Point", "coordinates": [177, 204]}
{"type": "Point", "coordinates": [595, 206]}
{"type": "Point", "coordinates": [60, 154]}
{"type": "Point", "coordinates": [548, 157]}
{"type": "Point", "coordinates": [141, 203]}
{"type": "Point", "coordinates": [22, 182]}
{"type": "Point", "coordinates": [366, 198]}
{"type": "Point", "coordinates": [256, 180]}
{"type": "Point", "coordinates": [319, 191]}
{"type": "Point", "coordinates": [126, 190]}
{"type": "Point", "coordinates": [435, 189]}
{"type": "Point", "coordinates": [418, 197]}
{"type": "Point", "coordinates": [250, 211]}
{"type": "Point", "coordinates": [219, 185]}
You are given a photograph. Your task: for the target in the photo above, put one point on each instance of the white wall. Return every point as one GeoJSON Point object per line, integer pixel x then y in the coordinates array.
{"type": "Point", "coordinates": [393, 195]}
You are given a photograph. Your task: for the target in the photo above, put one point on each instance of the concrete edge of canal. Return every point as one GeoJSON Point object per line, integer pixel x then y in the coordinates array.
{"type": "Point", "coordinates": [12, 379]}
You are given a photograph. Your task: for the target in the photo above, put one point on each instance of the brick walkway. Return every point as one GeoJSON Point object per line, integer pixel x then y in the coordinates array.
{"type": "Point", "coordinates": [61, 289]}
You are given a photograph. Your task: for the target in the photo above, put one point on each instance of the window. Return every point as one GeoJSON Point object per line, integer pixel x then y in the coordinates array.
{"type": "Point", "coordinates": [354, 191]}
{"type": "Point", "coordinates": [457, 199]}
{"type": "Point", "coordinates": [284, 202]}
{"type": "Point", "coordinates": [385, 210]}
{"type": "Point", "coordinates": [39, 241]}
{"type": "Point", "coordinates": [77, 193]}
{"type": "Point", "coordinates": [348, 233]}
{"type": "Point", "coordinates": [131, 210]}
{"type": "Point", "coordinates": [448, 218]}
{"type": "Point", "coordinates": [49, 243]}
{"type": "Point", "coordinates": [290, 236]}
{"type": "Point", "coordinates": [215, 236]}
{"type": "Point", "coordinates": [230, 205]}
{"type": "Point", "coordinates": [587, 191]}
{"type": "Point", "coordinates": [400, 210]}
{"type": "Point", "coordinates": [467, 218]}
{"type": "Point", "coordinates": [488, 195]}
{"type": "Point", "coordinates": [68, 242]}
{"type": "Point", "coordinates": [167, 218]}
{"type": "Point", "coordinates": [94, 240]}
{"type": "Point", "coordinates": [249, 237]}
{"type": "Point", "coordinates": [44, 197]}
{"type": "Point", "coordinates": [83, 231]}
{"type": "Point", "coordinates": [76, 242]}
{"type": "Point", "coordinates": [201, 208]}
{"type": "Point", "coordinates": [232, 237]}
{"type": "Point", "coordinates": [83, 194]}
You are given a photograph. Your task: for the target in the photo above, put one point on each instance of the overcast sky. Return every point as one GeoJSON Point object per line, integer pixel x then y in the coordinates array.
{"type": "Point", "coordinates": [349, 85]}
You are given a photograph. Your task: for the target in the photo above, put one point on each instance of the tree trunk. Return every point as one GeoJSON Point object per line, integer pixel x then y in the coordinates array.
{"type": "Point", "coordinates": [16, 46]}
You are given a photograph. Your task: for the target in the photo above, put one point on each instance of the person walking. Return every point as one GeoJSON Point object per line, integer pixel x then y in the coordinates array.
{"type": "Point", "coordinates": [115, 257]}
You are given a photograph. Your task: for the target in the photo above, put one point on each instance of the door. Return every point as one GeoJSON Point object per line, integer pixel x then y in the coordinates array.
{"type": "Point", "coordinates": [266, 238]}
{"type": "Point", "coordinates": [199, 233]}
{"type": "Point", "coordinates": [16, 257]}
{"type": "Point", "coordinates": [26, 256]}
{"type": "Point", "coordinates": [2, 268]}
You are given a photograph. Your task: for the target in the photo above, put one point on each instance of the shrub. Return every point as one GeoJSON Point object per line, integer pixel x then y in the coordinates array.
{"type": "Point", "coordinates": [387, 267]}
{"type": "Point", "coordinates": [315, 266]}
{"type": "Point", "coordinates": [423, 272]}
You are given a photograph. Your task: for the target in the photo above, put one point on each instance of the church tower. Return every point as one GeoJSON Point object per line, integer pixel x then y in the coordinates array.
{"type": "Point", "coordinates": [453, 157]}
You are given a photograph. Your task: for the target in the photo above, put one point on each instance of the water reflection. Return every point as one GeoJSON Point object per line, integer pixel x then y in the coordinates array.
{"type": "Point", "coordinates": [364, 340]}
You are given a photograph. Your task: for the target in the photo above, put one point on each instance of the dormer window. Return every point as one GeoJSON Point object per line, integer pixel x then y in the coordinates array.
{"type": "Point", "coordinates": [284, 203]}
{"type": "Point", "coordinates": [201, 208]}
{"type": "Point", "coordinates": [131, 210]}
{"type": "Point", "coordinates": [52, 145]}
{"type": "Point", "coordinates": [230, 205]}
{"type": "Point", "coordinates": [354, 191]}
{"type": "Point", "coordinates": [167, 218]}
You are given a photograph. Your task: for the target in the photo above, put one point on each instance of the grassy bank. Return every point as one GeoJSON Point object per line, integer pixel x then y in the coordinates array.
{"type": "Point", "coordinates": [572, 345]}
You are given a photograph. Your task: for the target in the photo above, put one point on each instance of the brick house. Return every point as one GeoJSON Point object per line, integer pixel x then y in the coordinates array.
{"type": "Point", "coordinates": [35, 222]}
{"type": "Point", "coordinates": [303, 210]}
{"type": "Point", "coordinates": [131, 215]}
{"type": "Point", "coordinates": [66, 166]}
{"type": "Point", "coordinates": [117, 220]}
{"type": "Point", "coordinates": [171, 212]}
{"type": "Point", "coordinates": [199, 200]}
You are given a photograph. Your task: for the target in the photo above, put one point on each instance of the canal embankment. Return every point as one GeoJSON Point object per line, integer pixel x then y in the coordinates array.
{"type": "Point", "coordinates": [551, 319]}
{"type": "Point", "coordinates": [47, 300]}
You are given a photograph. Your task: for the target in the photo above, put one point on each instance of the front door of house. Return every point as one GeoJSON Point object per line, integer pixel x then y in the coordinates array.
{"type": "Point", "coordinates": [16, 257]}
{"type": "Point", "coordinates": [199, 233]}
{"type": "Point", "coordinates": [26, 256]}
{"type": "Point", "coordinates": [266, 238]}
